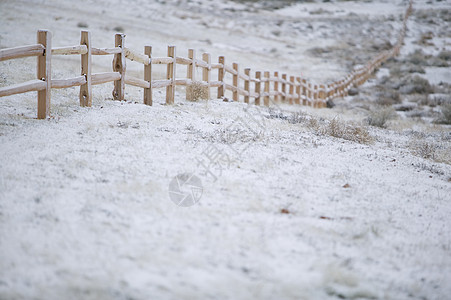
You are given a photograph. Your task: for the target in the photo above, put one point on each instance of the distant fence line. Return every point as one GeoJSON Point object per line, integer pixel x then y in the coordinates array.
{"type": "Point", "coordinates": [260, 87]}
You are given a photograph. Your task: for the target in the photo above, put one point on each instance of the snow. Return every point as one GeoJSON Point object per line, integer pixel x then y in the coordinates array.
{"type": "Point", "coordinates": [437, 75]}
{"type": "Point", "coordinates": [84, 204]}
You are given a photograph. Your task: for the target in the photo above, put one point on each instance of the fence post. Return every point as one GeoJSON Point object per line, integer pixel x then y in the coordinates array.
{"type": "Point", "coordinates": [266, 98]}
{"type": "Point", "coordinates": [191, 72]}
{"type": "Point", "coordinates": [148, 76]}
{"type": "Point", "coordinates": [221, 76]}
{"type": "Point", "coordinates": [343, 83]}
{"type": "Point", "coordinates": [86, 89]}
{"type": "Point", "coordinates": [276, 87]}
{"type": "Point", "coordinates": [298, 90]}
{"type": "Point", "coordinates": [258, 77]}
{"type": "Point", "coordinates": [44, 72]}
{"type": "Point", "coordinates": [328, 92]}
{"type": "Point", "coordinates": [119, 66]}
{"type": "Point", "coordinates": [348, 84]}
{"type": "Point", "coordinates": [247, 71]}
{"type": "Point", "coordinates": [170, 75]}
{"type": "Point", "coordinates": [322, 95]}
{"type": "Point", "coordinates": [310, 94]}
{"type": "Point", "coordinates": [332, 90]}
{"type": "Point", "coordinates": [284, 87]}
{"type": "Point", "coordinates": [304, 91]}
{"type": "Point", "coordinates": [291, 89]}
{"type": "Point", "coordinates": [315, 96]}
{"type": "Point", "coordinates": [206, 57]}
{"type": "Point", "coordinates": [235, 82]}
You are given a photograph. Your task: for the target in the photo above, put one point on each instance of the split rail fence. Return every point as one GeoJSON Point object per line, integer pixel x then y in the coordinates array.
{"type": "Point", "coordinates": [260, 87]}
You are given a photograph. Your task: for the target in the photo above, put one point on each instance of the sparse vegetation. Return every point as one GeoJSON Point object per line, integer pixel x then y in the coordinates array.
{"type": "Point", "coordinates": [436, 151]}
{"type": "Point", "coordinates": [335, 127]}
{"type": "Point", "coordinates": [380, 116]}
{"type": "Point", "coordinates": [276, 114]}
{"type": "Point", "coordinates": [297, 117]}
{"type": "Point", "coordinates": [429, 168]}
{"type": "Point", "coordinates": [232, 135]}
{"type": "Point", "coordinates": [320, 11]}
{"type": "Point", "coordinates": [344, 130]}
{"type": "Point", "coordinates": [423, 149]}
{"type": "Point", "coordinates": [426, 38]}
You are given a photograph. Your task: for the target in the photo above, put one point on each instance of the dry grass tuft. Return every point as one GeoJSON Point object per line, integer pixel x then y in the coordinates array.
{"type": "Point", "coordinates": [345, 130]}
{"type": "Point", "coordinates": [297, 118]}
{"type": "Point", "coordinates": [196, 91]}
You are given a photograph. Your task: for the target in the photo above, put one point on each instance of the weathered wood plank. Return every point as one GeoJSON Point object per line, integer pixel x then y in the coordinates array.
{"type": "Point", "coordinates": [29, 86]}
{"type": "Point", "coordinates": [100, 78]}
{"type": "Point", "coordinates": [133, 56]}
{"type": "Point", "coordinates": [137, 82]}
{"type": "Point", "coordinates": [66, 83]}
{"type": "Point", "coordinates": [23, 51]}
{"type": "Point", "coordinates": [106, 51]}
{"type": "Point", "coordinates": [71, 50]}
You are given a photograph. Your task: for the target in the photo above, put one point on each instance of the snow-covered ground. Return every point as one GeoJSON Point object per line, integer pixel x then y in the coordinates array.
{"type": "Point", "coordinates": [286, 212]}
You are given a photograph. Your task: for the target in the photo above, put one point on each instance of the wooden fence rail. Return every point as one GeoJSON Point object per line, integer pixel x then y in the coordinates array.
{"type": "Point", "coordinates": [258, 85]}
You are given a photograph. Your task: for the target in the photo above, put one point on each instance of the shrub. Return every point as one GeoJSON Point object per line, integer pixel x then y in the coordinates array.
{"type": "Point", "coordinates": [417, 85]}
{"type": "Point", "coordinates": [445, 55]}
{"type": "Point", "coordinates": [388, 97]}
{"type": "Point", "coordinates": [446, 114]}
{"type": "Point", "coordinates": [196, 91]}
{"type": "Point", "coordinates": [82, 25]}
{"type": "Point", "coordinates": [411, 68]}
{"type": "Point", "coordinates": [380, 116]}
{"type": "Point", "coordinates": [118, 29]}
{"type": "Point", "coordinates": [395, 72]}
{"type": "Point", "coordinates": [417, 58]}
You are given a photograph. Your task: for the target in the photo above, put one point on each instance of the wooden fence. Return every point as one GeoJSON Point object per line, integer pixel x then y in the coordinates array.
{"type": "Point", "coordinates": [259, 87]}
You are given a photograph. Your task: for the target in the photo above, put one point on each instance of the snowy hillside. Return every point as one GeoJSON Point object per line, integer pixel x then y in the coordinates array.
{"type": "Point", "coordinates": [295, 202]}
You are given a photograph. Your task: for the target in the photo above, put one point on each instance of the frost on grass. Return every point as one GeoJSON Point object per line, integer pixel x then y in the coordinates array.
{"type": "Point", "coordinates": [431, 149]}
{"type": "Point", "coordinates": [335, 127]}
{"type": "Point", "coordinates": [232, 135]}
